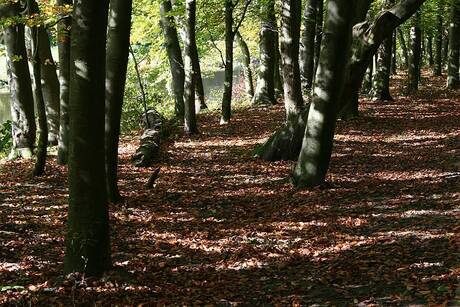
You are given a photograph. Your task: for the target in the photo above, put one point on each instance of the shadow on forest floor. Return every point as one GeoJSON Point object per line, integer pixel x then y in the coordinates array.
{"type": "Point", "coordinates": [221, 227]}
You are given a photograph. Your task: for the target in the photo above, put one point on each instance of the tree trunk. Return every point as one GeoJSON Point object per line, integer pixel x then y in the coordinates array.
{"type": "Point", "coordinates": [366, 40]}
{"type": "Point", "coordinates": [394, 56]}
{"type": "Point", "coordinates": [316, 151]}
{"type": "Point", "coordinates": [118, 34]}
{"type": "Point", "coordinates": [40, 163]}
{"type": "Point", "coordinates": [429, 46]}
{"type": "Point", "coordinates": [265, 89]}
{"type": "Point", "coordinates": [381, 86]}
{"type": "Point", "coordinates": [285, 143]}
{"type": "Point", "coordinates": [50, 86]}
{"type": "Point", "coordinates": [415, 55]}
{"type": "Point", "coordinates": [64, 32]}
{"type": "Point", "coordinates": [87, 240]}
{"type": "Point", "coordinates": [22, 102]}
{"type": "Point", "coordinates": [246, 65]}
{"type": "Point", "coordinates": [405, 53]}
{"type": "Point", "coordinates": [453, 81]}
{"type": "Point", "coordinates": [198, 78]}
{"type": "Point", "coordinates": [228, 79]}
{"type": "Point", "coordinates": [278, 69]}
{"type": "Point", "coordinates": [319, 32]}
{"type": "Point", "coordinates": [174, 56]}
{"type": "Point", "coordinates": [367, 83]}
{"type": "Point", "coordinates": [445, 49]}
{"type": "Point", "coordinates": [307, 52]}
{"type": "Point", "coordinates": [381, 82]}
{"type": "Point", "coordinates": [438, 42]}
{"type": "Point", "coordinates": [190, 125]}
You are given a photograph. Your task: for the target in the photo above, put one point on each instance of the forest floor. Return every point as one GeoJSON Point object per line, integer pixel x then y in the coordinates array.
{"type": "Point", "coordinates": [223, 228]}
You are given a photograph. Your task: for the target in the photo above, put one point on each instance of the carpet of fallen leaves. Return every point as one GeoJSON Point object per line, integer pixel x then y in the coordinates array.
{"type": "Point", "coordinates": [223, 228]}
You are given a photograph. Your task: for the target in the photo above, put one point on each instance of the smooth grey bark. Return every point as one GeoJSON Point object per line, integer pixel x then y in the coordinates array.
{"type": "Point", "coordinates": [278, 69]}
{"type": "Point", "coordinates": [50, 86]}
{"type": "Point", "coordinates": [394, 55]}
{"type": "Point", "coordinates": [429, 47]}
{"type": "Point", "coordinates": [316, 151]}
{"type": "Point", "coordinates": [453, 81]}
{"type": "Point", "coordinates": [87, 239]}
{"type": "Point", "coordinates": [22, 101]}
{"type": "Point", "coordinates": [190, 125]}
{"type": "Point", "coordinates": [265, 87]}
{"type": "Point", "coordinates": [367, 82]}
{"type": "Point", "coordinates": [118, 34]}
{"type": "Point", "coordinates": [381, 82]}
{"type": "Point", "coordinates": [247, 71]}
{"type": "Point", "coordinates": [319, 32]}
{"type": "Point", "coordinates": [40, 162]}
{"type": "Point", "coordinates": [228, 75]}
{"type": "Point", "coordinates": [290, 42]}
{"type": "Point", "coordinates": [366, 40]}
{"type": "Point", "coordinates": [445, 49]}
{"type": "Point", "coordinates": [415, 55]}
{"type": "Point", "coordinates": [199, 80]}
{"type": "Point", "coordinates": [438, 41]}
{"type": "Point", "coordinates": [307, 50]}
{"type": "Point", "coordinates": [36, 46]}
{"type": "Point", "coordinates": [63, 37]}
{"type": "Point", "coordinates": [405, 53]}
{"type": "Point", "coordinates": [174, 56]}
{"type": "Point", "coordinates": [285, 143]}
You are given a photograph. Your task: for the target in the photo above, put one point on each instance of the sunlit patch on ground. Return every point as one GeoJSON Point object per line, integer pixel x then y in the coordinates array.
{"type": "Point", "coordinates": [221, 227]}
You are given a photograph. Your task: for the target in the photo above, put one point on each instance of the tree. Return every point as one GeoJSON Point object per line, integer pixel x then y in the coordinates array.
{"type": "Point", "coordinates": [265, 89]}
{"type": "Point", "coordinates": [453, 81]}
{"type": "Point", "coordinates": [316, 151]}
{"type": "Point", "coordinates": [87, 239]}
{"type": "Point", "coordinates": [438, 41]}
{"type": "Point", "coordinates": [381, 86]}
{"type": "Point", "coordinates": [307, 51]}
{"type": "Point", "coordinates": [174, 56]}
{"type": "Point", "coordinates": [405, 53]}
{"type": "Point", "coordinates": [415, 54]}
{"type": "Point", "coordinates": [285, 143]}
{"type": "Point", "coordinates": [22, 103]}
{"type": "Point", "coordinates": [246, 65]}
{"type": "Point", "coordinates": [63, 38]}
{"type": "Point", "coordinates": [367, 37]}
{"type": "Point", "coordinates": [50, 85]}
{"type": "Point", "coordinates": [190, 126]}
{"type": "Point", "coordinates": [36, 45]}
{"type": "Point", "coordinates": [118, 33]}
{"type": "Point", "coordinates": [230, 33]}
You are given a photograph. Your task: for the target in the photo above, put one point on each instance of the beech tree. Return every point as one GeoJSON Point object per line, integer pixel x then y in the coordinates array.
{"type": "Point", "coordinates": [415, 54]}
{"type": "Point", "coordinates": [174, 56]}
{"type": "Point", "coordinates": [307, 51]}
{"type": "Point", "coordinates": [268, 50]}
{"type": "Point", "coordinates": [118, 33]}
{"type": "Point", "coordinates": [190, 125]}
{"type": "Point", "coordinates": [63, 40]}
{"type": "Point", "coordinates": [285, 143]}
{"type": "Point", "coordinates": [313, 162]}
{"type": "Point", "coordinates": [22, 103]}
{"type": "Point", "coordinates": [247, 71]}
{"type": "Point", "coordinates": [230, 32]}
{"type": "Point", "coordinates": [87, 239]}
{"type": "Point", "coordinates": [381, 86]}
{"type": "Point", "coordinates": [453, 81]}
{"type": "Point", "coordinates": [36, 50]}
